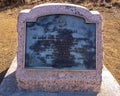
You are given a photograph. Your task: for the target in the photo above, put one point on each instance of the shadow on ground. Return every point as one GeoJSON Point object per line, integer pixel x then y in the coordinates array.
{"type": "Point", "coordinates": [2, 74]}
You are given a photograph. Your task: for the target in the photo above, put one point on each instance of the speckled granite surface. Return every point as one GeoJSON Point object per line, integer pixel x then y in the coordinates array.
{"type": "Point", "coordinates": [59, 80]}
{"type": "Point", "coordinates": [9, 87]}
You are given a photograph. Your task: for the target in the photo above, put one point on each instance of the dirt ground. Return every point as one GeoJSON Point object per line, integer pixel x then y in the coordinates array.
{"type": "Point", "coordinates": [111, 36]}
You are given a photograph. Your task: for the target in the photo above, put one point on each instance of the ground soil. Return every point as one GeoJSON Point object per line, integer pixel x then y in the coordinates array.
{"type": "Point", "coordinates": [111, 36]}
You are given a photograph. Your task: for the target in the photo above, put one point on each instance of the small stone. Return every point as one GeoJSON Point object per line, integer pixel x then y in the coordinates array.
{"type": "Point", "coordinates": [108, 6]}
{"type": "Point", "coordinates": [102, 4]}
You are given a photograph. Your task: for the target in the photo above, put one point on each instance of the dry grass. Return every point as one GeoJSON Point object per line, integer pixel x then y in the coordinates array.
{"type": "Point", "coordinates": [8, 41]}
{"type": "Point", "coordinates": [111, 36]}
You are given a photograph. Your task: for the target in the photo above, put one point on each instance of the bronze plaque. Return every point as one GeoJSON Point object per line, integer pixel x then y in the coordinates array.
{"type": "Point", "coordinates": [60, 42]}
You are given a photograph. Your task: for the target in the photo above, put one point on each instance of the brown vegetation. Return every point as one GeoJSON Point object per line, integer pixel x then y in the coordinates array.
{"type": "Point", "coordinates": [111, 32]}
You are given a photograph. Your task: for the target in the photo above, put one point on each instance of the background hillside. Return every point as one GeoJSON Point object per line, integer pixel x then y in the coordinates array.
{"type": "Point", "coordinates": [109, 9]}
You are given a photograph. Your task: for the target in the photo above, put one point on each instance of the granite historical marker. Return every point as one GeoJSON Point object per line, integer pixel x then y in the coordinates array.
{"type": "Point", "coordinates": [60, 48]}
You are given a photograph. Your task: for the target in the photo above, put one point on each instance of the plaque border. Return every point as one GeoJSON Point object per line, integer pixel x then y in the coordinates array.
{"type": "Point", "coordinates": [42, 69]}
